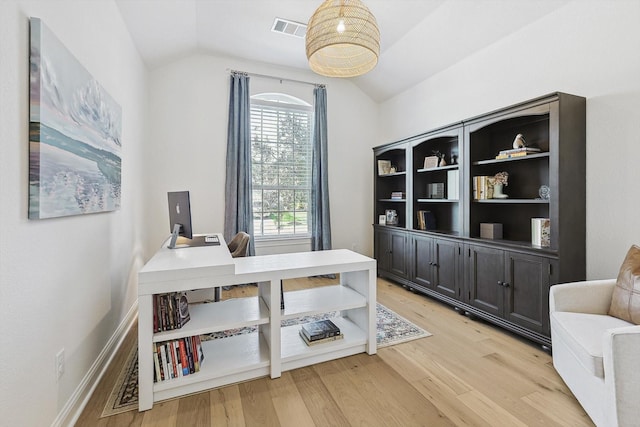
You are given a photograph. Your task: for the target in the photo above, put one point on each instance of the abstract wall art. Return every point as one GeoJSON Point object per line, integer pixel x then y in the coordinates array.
{"type": "Point", "coordinates": [74, 134]}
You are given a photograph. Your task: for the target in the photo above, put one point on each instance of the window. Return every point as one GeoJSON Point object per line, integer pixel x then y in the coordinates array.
{"type": "Point", "coordinates": [281, 165]}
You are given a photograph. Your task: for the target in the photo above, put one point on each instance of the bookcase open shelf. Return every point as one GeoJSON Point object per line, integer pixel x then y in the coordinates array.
{"type": "Point", "coordinates": [452, 262]}
{"type": "Point", "coordinates": [271, 349]}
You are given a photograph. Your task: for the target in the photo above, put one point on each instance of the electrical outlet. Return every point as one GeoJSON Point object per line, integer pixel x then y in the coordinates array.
{"type": "Point", "coordinates": [59, 364]}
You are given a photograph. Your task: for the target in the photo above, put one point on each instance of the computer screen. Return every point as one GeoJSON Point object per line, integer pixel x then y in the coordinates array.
{"type": "Point", "coordinates": [179, 216]}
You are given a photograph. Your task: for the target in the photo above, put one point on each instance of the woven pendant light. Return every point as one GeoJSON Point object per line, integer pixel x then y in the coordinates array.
{"type": "Point", "coordinates": [343, 39]}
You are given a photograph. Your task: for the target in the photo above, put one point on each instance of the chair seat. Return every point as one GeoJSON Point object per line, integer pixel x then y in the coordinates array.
{"type": "Point", "coordinates": [583, 335]}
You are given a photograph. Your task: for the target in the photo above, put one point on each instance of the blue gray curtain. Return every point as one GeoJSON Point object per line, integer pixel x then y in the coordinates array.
{"type": "Point", "coordinates": [238, 207]}
{"type": "Point", "coordinates": [320, 221]}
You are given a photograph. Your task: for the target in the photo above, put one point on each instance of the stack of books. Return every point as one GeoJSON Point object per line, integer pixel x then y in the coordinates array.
{"type": "Point", "coordinates": [319, 332]}
{"type": "Point", "coordinates": [397, 195]}
{"type": "Point", "coordinates": [517, 152]}
{"type": "Point", "coordinates": [177, 358]}
{"type": "Point", "coordinates": [483, 187]}
{"type": "Point", "coordinates": [426, 220]}
{"type": "Point", "coordinates": [170, 311]}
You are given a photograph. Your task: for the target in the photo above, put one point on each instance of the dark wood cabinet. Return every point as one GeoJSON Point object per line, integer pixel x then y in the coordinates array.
{"type": "Point", "coordinates": [526, 285]}
{"type": "Point", "coordinates": [505, 281]}
{"type": "Point", "coordinates": [422, 259]}
{"type": "Point", "coordinates": [435, 264]}
{"type": "Point", "coordinates": [511, 286]}
{"type": "Point", "coordinates": [446, 269]}
{"type": "Point", "coordinates": [484, 273]}
{"type": "Point", "coordinates": [391, 251]}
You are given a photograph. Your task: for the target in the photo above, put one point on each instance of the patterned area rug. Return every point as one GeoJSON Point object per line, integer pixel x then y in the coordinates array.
{"type": "Point", "coordinates": [391, 329]}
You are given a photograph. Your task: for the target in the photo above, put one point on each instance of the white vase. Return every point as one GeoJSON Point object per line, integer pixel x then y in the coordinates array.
{"type": "Point", "coordinates": [497, 192]}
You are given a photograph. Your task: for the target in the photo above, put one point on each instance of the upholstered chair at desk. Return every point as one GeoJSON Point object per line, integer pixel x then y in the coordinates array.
{"type": "Point", "coordinates": [239, 247]}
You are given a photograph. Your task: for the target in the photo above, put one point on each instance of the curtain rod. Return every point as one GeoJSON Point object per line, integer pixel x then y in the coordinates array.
{"type": "Point", "coordinates": [282, 79]}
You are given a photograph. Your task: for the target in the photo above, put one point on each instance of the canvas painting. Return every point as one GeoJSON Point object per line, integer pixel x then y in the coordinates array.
{"type": "Point", "coordinates": [74, 134]}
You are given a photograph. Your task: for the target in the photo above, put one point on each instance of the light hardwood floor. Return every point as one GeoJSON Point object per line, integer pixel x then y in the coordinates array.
{"type": "Point", "coordinates": [468, 373]}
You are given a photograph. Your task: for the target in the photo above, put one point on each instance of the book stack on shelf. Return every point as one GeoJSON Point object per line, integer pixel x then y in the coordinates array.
{"type": "Point", "coordinates": [320, 332]}
{"type": "Point", "coordinates": [177, 358]}
{"type": "Point", "coordinates": [397, 195]}
{"type": "Point", "coordinates": [170, 311]}
{"type": "Point", "coordinates": [517, 152]}
{"type": "Point", "coordinates": [426, 220]}
{"type": "Point", "coordinates": [483, 187]}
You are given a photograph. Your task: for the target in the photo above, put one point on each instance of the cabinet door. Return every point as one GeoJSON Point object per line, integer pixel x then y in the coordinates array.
{"type": "Point", "coordinates": [382, 245]}
{"type": "Point", "coordinates": [422, 261]}
{"type": "Point", "coordinates": [484, 270]}
{"type": "Point", "coordinates": [398, 254]}
{"type": "Point", "coordinates": [527, 291]}
{"type": "Point", "coordinates": [447, 267]}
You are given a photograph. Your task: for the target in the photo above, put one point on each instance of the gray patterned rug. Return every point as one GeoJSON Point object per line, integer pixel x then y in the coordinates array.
{"type": "Point", "coordinates": [391, 329]}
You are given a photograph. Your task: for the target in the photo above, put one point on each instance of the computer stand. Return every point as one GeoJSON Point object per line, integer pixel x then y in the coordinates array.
{"type": "Point", "coordinates": [174, 236]}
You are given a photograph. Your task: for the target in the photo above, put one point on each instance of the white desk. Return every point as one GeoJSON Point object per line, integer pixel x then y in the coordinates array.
{"type": "Point", "coordinates": [272, 349]}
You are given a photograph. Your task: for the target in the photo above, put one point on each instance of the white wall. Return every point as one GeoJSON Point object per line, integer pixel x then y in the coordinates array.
{"type": "Point", "coordinates": [68, 282]}
{"type": "Point", "coordinates": [588, 48]}
{"type": "Point", "coordinates": [188, 113]}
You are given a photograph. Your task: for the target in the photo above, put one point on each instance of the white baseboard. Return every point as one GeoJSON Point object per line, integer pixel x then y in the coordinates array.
{"type": "Point", "coordinates": [71, 411]}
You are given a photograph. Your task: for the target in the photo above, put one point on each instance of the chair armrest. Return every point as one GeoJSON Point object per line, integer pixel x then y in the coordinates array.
{"type": "Point", "coordinates": [621, 347]}
{"type": "Point", "coordinates": [591, 296]}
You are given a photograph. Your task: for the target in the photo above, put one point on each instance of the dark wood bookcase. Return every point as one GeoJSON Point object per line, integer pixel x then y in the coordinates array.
{"type": "Point", "coordinates": [505, 281]}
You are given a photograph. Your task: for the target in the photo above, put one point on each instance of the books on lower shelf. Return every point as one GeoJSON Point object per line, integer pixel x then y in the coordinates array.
{"type": "Point", "coordinates": [177, 358]}
{"type": "Point", "coordinates": [426, 220]}
{"type": "Point", "coordinates": [319, 330]}
{"type": "Point", "coordinates": [320, 341]}
{"type": "Point", "coordinates": [170, 311]}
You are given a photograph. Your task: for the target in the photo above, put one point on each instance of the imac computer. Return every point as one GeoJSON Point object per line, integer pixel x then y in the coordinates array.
{"type": "Point", "coordinates": [180, 223]}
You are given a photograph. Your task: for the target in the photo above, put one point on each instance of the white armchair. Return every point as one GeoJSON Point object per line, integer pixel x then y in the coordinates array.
{"type": "Point", "coordinates": [597, 355]}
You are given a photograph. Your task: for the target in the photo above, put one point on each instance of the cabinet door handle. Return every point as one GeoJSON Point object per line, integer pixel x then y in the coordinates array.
{"type": "Point", "coordinates": [500, 283]}
{"type": "Point", "coordinates": [505, 284]}
{"type": "Point", "coordinates": [435, 264]}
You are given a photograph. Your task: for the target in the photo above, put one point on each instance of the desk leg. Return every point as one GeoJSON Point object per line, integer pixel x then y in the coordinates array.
{"type": "Point", "coordinates": [363, 282]}
{"type": "Point", "coordinates": [275, 348]}
{"type": "Point", "coordinates": [145, 346]}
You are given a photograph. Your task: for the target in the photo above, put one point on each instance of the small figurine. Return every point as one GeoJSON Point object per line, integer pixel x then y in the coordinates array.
{"type": "Point", "coordinates": [442, 161]}
{"type": "Point", "coordinates": [519, 141]}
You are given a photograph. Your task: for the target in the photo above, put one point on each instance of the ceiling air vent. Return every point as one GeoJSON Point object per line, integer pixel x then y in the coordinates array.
{"type": "Point", "coordinates": [291, 28]}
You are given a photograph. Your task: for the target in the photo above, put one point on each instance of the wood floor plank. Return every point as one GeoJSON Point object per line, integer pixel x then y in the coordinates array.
{"type": "Point", "coordinates": [163, 414]}
{"type": "Point", "coordinates": [354, 405]}
{"type": "Point", "coordinates": [193, 411]}
{"type": "Point", "coordinates": [257, 406]}
{"type": "Point", "coordinates": [321, 405]}
{"type": "Point", "coordinates": [412, 407]}
{"type": "Point", "coordinates": [289, 405]}
{"type": "Point", "coordinates": [226, 407]}
{"type": "Point", "coordinates": [556, 406]}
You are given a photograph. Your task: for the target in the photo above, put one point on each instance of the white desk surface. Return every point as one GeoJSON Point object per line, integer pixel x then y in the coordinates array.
{"type": "Point", "coordinates": [300, 261]}
{"type": "Point", "coordinates": [185, 263]}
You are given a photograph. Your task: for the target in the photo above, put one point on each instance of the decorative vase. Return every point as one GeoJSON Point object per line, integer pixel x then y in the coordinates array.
{"type": "Point", "coordinates": [497, 192]}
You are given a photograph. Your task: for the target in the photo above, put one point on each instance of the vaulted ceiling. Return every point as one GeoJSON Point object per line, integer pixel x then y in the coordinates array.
{"type": "Point", "coordinates": [419, 38]}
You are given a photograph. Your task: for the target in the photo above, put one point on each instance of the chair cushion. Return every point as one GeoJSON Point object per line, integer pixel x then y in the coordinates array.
{"type": "Point", "coordinates": [625, 303]}
{"type": "Point", "coordinates": [582, 334]}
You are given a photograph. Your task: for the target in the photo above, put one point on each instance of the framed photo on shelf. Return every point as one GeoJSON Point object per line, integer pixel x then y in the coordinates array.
{"type": "Point", "coordinates": [382, 219]}
{"type": "Point", "coordinates": [384, 167]}
{"type": "Point", "coordinates": [431, 162]}
{"type": "Point", "coordinates": [391, 217]}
